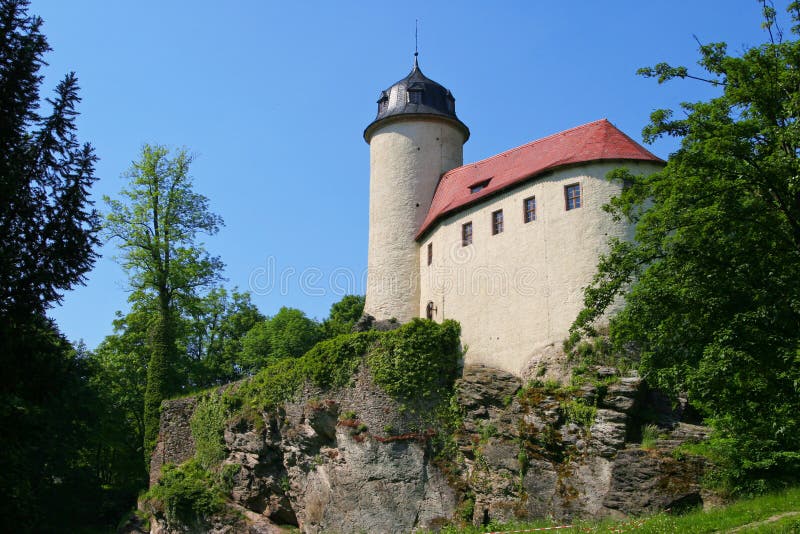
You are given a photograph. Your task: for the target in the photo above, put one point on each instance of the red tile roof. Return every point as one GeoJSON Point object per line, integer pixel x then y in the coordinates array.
{"type": "Point", "coordinates": [598, 140]}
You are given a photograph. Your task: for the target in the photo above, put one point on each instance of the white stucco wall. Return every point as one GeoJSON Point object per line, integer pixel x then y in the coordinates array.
{"type": "Point", "coordinates": [407, 157]}
{"type": "Point", "coordinates": [517, 293]}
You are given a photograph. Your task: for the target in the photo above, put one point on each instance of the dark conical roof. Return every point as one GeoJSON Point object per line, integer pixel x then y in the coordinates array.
{"type": "Point", "coordinates": [415, 95]}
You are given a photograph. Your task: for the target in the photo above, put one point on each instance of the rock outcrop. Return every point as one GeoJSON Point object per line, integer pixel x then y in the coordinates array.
{"type": "Point", "coordinates": [354, 460]}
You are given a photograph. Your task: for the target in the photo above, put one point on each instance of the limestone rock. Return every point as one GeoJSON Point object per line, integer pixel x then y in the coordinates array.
{"type": "Point", "coordinates": [622, 396]}
{"type": "Point", "coordinates": [333, 461]}
{"type": "Point", "coordinates": [648, 481]}
{"type": "Point", "coordinates": [482, 386]}
{"type": "Point", "coordinates": [608, 432]}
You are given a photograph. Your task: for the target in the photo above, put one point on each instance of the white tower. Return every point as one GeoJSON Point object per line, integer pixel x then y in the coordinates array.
{"type": "Point", "coordinates": [415, 138]}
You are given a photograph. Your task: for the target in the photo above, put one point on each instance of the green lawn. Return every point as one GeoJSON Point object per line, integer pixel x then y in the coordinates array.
{"type": "Point", "coordinates": [774, 513]}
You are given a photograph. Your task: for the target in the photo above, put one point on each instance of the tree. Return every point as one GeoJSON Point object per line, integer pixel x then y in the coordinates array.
{"type": "Point", "coordinates": [712, 282]}
{"type": "Point", "coordinates": [343, 315]}
{"type": "Point", "coordinates": [120, 377]}
{"type": "Point", "coordinates": [47, 224]}
{"type": "Point", "coordinates": [47, 237]}
{"type": "Point", "coordinates": [214, 328]}
{"type": "Point", "coordinates": [157, 227]}
{"type": "Point", "coordinates": [287, 334]}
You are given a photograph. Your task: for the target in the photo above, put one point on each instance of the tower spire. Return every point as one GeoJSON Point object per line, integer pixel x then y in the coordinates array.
{"type": "Point", "coordinates": [416, 42]}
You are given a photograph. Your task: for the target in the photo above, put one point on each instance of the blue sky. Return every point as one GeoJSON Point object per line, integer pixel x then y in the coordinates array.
{"type": "Point", "coordinates": [273, 97]}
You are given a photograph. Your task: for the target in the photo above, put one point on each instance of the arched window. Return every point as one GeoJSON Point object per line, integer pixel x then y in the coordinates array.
{"type": "Point", "coordinates": [429, 309]}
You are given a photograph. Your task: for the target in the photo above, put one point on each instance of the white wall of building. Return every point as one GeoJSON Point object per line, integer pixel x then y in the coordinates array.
{"type": "Point", "coordinates": [517, 293]}
{"type": "Point", "coordinates": [407, 157]}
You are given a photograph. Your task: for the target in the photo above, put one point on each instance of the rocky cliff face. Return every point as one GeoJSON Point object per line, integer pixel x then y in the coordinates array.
{"type": "Point", "coordinates": [355, 460]}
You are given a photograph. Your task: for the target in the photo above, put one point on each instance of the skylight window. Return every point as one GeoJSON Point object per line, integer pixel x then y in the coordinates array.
{"type": "Point", "coordinates": [474, 188]}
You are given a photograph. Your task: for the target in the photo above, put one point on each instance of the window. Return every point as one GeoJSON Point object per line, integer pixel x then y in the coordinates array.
{"type": "Point", "coordinates": [466, 234]}
{"type": "Point", "coordinates": [529, 209]}
{"type": "Point", "coordinates": [497, 222]}
{"type": "Point", "coordinates": [429, 309]}
{"type": "Point", "coordinates": [572, 195]}
{"type": "Point", "coordinates": [430, 253]}
{"type": "Point", "coordinates": [383, 102]}
{"type": "Point", "coordinates": [474, 188]}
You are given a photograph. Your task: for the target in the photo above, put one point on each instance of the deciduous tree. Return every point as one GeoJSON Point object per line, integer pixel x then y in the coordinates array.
{"type": "Point", "coordinates": [157, 225]}
{"type": "Point", "coordinates": [712, 282]}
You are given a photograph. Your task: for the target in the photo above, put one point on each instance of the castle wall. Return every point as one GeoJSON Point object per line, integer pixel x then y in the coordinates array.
{"type": "Point", "coordinates": [517, 293]}
{"type": "Point", "coordinates": [407, 157]}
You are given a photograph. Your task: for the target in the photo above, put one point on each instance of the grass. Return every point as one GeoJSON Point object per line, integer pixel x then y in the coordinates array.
{"type": "Point", "coordinates": [649, 436]}
{"type": "Point", "coordinates": [745, 515]}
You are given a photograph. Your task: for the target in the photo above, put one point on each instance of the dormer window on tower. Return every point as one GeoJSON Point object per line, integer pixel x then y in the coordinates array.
{"type": "Point", "coordinates": [414, 93]}
{"type": "Point", "coordinates": [383, 102]}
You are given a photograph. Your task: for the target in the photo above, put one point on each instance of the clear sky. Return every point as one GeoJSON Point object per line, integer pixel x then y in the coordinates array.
{"type": "Point", "coordinates": [273, 98]}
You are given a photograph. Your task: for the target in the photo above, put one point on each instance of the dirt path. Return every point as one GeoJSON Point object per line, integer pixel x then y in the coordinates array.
{"type": "Point", "coordinates": [771, 519]}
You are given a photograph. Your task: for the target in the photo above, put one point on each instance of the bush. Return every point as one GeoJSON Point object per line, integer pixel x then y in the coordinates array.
{"type": "Point", "coordinates": [416, 361]}
{"type": "Point", "coordinates": [419, 360]}
{"type": "Point", "coordinates": [186, 494]}
{"type": "Point", "coordinates": [332, 363]}
{"type": "Point", "coordinates": [578, 412]}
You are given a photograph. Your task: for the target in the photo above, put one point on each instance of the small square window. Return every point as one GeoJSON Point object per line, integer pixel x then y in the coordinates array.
{"type": "Point", "coordinates": [529, 209]}
{"type": "Point", "coordinates": [572, 196]}
{"type": "Point", "coordinates": [466, 234]}
{"type": "Point", "coordinates": [430, 253]}
{"type": "Point", "coordinates": [497, 222]}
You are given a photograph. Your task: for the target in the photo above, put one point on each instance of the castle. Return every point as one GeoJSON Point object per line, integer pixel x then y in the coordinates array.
{"type": "Point", "coordinates": [505, 245]}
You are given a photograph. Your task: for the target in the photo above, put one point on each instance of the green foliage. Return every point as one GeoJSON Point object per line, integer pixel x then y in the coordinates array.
{"type": "Point", "coordinates": [448, 420]}
{"type": "Point", "coordinates": [578, 412]}
{"type": "Point", "coordinates": [208, 427]}
{"type": "Point", "coordinates": [288, 334]}
{"type": "Point", "coordinates": [418, 360]}
{"type": "Point", "coordinates": [772, 513]}
{"type": "Point", "coordinates": [712, 282]}
{"type": "Point", "coordinates": [274, 384]}
{"type": "Point", "coordinates": [486, 432]}
{"type": "Point", "coordinates": [156, 226]}
{"type": "Point", "coordinates": [157, 388]}
{"type": "Point", "coordinates": [49, 228]}
{"type": "Point", "coordinates": [211, 331]}
{"type": "Point", "coordinates": [343, 315]}
{"type": "Point", "coordinates": [48, 233]}
{"type": "Point", "coordinates": [649, 436]}
{"type": "Point", "coordinates": [187, 494]}
{"type": "Point", "coordinates": [48, 413]}
{"type": "Point", "coordinates": [330, 363]}
{"type": "Point", "coordinates": [333, 363]}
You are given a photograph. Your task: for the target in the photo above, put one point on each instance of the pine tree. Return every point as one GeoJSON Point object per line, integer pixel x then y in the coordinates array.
{"type": "Point", "coordinates": [47, 238]}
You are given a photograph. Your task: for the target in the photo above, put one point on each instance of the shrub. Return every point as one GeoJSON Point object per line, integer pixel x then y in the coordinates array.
{"type": "Point", "coordinates": [273, 385]}
{"type": "Point", "coordinates": [578, 412]}
{"type": "Point", "coordinates": [418, 360]}
{"type": "Point", "coordinates": [186, 494]}
{"type": "Point", "coordinates": [332, 363]}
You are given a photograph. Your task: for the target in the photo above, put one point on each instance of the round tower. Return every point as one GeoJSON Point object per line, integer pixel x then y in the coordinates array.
{"type": "Point", "coordinates": [415, 138]}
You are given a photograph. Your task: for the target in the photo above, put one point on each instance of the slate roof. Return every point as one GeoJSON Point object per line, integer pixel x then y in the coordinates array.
{"type": "Point", "coordinates": [595, 141]}
{"type": "Point", "coordinates": [430, 98]}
